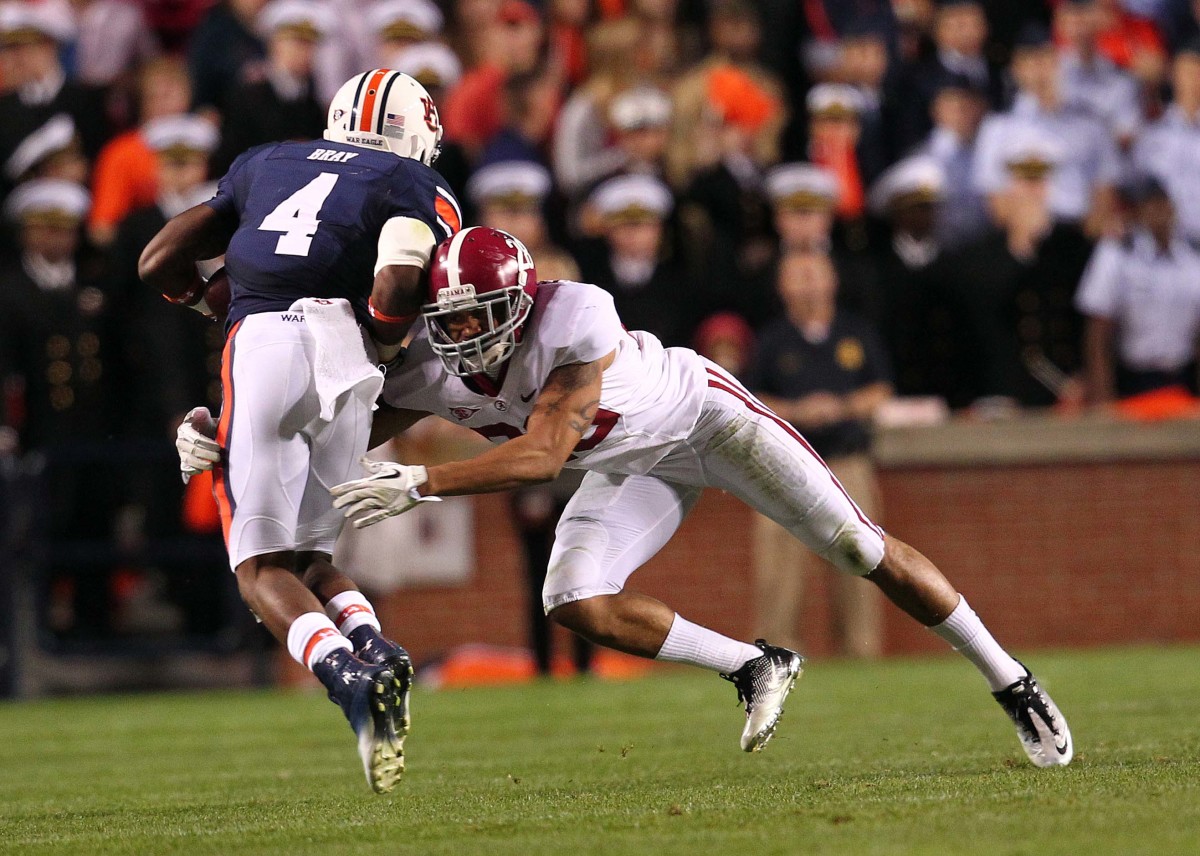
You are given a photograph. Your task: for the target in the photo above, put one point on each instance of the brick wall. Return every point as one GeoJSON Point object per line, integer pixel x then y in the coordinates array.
{"type": "Point", "coordinates": [1061, 555]}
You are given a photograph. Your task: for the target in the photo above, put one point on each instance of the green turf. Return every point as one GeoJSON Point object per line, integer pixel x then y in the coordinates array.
{"type": "Point", "coordinates": [898, 757]}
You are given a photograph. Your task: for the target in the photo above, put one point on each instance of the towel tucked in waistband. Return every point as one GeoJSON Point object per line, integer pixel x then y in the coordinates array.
{"type": "Point", "coordinates": [342, 363]}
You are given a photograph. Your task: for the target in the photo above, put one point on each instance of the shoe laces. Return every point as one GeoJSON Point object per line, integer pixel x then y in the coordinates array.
{"type": "Point", "coordinates": [1026, 698]}
{"type": "Point", "coordinates": [750, 679]}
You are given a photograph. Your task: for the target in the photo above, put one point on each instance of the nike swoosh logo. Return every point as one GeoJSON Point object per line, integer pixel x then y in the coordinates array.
{"type": "Point", "coordinates": [1062, 750]}
{"type": "Point", "coordinates": [525, 398]}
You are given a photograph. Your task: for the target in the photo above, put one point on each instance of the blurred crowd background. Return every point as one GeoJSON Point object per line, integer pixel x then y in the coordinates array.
{"type": "Point", "coordinates": [974, 205]}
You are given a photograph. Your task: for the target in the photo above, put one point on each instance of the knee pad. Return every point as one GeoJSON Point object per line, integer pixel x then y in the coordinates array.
{"type": "Point", "coordinates": [857, 549]}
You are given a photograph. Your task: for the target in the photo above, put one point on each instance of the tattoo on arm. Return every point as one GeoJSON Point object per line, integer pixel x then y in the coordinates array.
{"type": "Point", "coordinates": [568, 380]}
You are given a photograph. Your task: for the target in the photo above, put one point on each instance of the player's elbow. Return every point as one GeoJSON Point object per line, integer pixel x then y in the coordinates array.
{"type": "Point", "coordinates": [153, 263]}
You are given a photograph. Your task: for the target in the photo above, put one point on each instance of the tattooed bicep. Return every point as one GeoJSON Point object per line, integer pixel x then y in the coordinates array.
{"type": "Point", "coordinates": [576, 376]}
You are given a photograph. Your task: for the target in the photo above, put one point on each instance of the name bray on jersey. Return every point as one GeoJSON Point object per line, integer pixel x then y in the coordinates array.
{"type": "Point", "coordinates": [650, 397]}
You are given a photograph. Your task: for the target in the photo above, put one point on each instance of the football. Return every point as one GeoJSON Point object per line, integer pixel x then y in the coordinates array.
{"type": "Point", "coordinates": [216, 294]}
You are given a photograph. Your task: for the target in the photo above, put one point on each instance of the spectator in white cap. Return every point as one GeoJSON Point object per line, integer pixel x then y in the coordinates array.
{"type": "Point", "coordinates": [1029, 158]}
{"type": "Point", "coordinates": [835, 129]}
{"type": "Point", "coordinates": [641, 119]}
{"type": "Point", "coordinates": [46, 312]}
{"type": "Point", "coordinates": [803, 197]}
{"type": "Point", "coordinates": [52, 151]}
{"type": "Point", "coordinates": [908, 194]}
{"type": "Point", "coordinates": [803, 200]}
{"type": "Point", "coordinates": [511, 196]}
{"type": "Point", "coordinates": [639, 122]}
{"type": "Point", "coordinates": [56, 335]}
{"type": "Point", "coordinates": [183, 145]}
{"type": "Point", "coordinates": [916, 293]}
{"type": "Point", "coordinates": [38, 89]}
{"type": "Point", "coordinates": [633, 261]}
{"type": "Point", "coordinates": [399, 24]}
{"type": "Point", "coordinates": [1016, 285]}
{"type": "Point", "coordinates": [283, 104]}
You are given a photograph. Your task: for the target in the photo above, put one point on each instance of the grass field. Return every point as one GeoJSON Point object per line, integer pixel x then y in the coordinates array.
{"type": "Point", "coordinates": [898, 757]}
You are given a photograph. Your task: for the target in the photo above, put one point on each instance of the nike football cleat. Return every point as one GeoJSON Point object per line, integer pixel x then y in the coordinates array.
{"type": "Point", "coordinates": [369, 699]}
{"type": "Point", "coordinates": [384, 652]}
{"type": "Point", "coordinates": [763, 684]}
{"type": "Point", "coordinates": [1041, 728]}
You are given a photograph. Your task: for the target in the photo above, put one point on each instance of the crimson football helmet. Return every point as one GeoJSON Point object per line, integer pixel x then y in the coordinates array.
{"type": "Point", "coordinates": [481, 287]}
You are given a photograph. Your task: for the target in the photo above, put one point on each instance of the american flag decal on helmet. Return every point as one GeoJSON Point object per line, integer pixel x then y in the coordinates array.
{"type": "Point", "coordinates": [394, 121]}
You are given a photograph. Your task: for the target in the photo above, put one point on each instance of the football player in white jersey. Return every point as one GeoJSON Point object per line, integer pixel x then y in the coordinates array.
{"type": "Point", "coordinates": [547, 371]}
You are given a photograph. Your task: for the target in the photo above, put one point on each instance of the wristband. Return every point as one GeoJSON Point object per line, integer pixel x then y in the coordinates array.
{"type": "Point", "coordinates": [192, 296]}
{"type": "Point", "coordinates": [389, 319]}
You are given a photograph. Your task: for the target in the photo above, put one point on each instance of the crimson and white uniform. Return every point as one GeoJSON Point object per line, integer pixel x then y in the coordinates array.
{"type": "Point", "coordinates": [669, 424]}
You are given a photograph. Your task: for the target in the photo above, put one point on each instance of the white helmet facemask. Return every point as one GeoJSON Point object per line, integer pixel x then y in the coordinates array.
{"type": "Point", "coordinates": [387, 111]}
{"type": "Point", "coordinates": [499, 314]}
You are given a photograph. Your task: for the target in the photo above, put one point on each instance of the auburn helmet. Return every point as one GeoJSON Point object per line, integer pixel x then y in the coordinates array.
{"type": "Point", "coordinates": [387, 111]}
{"type": "Point", "coordinates": [481, 288]}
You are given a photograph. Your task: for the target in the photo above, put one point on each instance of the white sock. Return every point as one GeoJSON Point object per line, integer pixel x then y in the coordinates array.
{"type": "Point", "coordinates": [699, 646]}
{"type": "Point", "coordinates": [351, 610]}
{"type": "Point", "coordinates": [967, 635]}
{"type": "Point", "coordinates": [312, 637]}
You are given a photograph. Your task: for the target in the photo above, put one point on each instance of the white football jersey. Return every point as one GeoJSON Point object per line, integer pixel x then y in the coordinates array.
{"type": "Point", "coordinates": [650, 399]}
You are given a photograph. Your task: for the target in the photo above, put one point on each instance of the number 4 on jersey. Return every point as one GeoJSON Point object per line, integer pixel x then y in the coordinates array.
{"type": "Point", "coordinates": [296, 216]}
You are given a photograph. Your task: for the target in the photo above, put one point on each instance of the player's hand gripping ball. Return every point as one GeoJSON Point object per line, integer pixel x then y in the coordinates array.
{"type": "Point", "coordinates": [216, 295]}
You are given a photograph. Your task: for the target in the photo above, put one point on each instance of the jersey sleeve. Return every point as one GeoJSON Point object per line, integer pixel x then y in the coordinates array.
{"type": "Point", "coordinates": [404, 241]}
{"type": "Point", "coordinates": [596, 330]}
{"type": "Point", "coordinates": [230, 197]}
{"type": "Point", "coordinates": [419, 193]}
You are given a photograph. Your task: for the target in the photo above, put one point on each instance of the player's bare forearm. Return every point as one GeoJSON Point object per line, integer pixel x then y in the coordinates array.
{"type": "Point", "coordinates": [396, 299]}
{"type": "Point", "coordinates": [168, 264]}
{"type": "Point", "coordinates": [561, 416]}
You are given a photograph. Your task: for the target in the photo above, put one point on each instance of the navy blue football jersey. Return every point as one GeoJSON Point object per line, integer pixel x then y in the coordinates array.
{"type": "Point", "coordinates": [309, 217]}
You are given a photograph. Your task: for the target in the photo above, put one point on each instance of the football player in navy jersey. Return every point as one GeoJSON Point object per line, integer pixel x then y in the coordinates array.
{"type": "Point", "coordinates": [316, 236]}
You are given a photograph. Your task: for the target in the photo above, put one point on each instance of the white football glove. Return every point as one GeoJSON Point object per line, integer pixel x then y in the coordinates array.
{"type": "Point", "coordinates": [390, 489]}
{"type": "Point", "coordinates": [196, 443]}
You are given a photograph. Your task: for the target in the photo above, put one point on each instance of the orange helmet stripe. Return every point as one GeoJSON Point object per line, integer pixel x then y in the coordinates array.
{"type": "Point", "coordinates": [366, 115]}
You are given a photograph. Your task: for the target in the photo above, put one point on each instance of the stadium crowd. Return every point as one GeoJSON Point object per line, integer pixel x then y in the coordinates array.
{"type": "Point", "coordinates": [1003, 195]}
